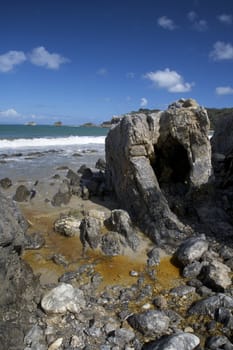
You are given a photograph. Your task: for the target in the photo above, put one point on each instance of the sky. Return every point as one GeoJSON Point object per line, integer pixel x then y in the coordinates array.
{"type": "Point", "coordinates": [83, 61]}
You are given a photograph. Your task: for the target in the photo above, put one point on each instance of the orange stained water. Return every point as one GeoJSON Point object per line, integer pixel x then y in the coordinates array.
{"type": "Point", "coordinates": [114, 270]}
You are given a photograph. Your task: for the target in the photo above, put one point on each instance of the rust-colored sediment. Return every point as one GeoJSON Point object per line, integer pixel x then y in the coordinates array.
{"type": "Point", "coordinates": [114, 270]}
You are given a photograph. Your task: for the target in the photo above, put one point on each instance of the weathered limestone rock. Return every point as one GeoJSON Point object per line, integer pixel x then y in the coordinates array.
{"type": "Point", "coordinates": [68, 226]}
{"type": "Point", "coordinates": [210, 305]}
{"type": "Point", "coordinates": [63, 298]}
{"type": "Point", "coordinates": [168, 150]}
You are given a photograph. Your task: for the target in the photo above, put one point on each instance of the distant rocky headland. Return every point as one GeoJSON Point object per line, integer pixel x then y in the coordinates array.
{"type": "Point", "coordinates": [138, 250]}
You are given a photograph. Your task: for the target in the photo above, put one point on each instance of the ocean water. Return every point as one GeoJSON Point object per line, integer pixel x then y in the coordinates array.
{"type": "Point", "coordinates": [36, 152]}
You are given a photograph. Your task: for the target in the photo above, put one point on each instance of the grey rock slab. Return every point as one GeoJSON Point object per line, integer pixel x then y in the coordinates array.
{"type": "Point", "coordinates": [216, 275]}
{"type": "Point", "coordinates": [68, 226]}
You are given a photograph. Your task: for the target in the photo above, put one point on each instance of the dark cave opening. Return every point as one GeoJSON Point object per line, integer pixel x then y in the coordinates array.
{"type": "Point", "coordinates": [171, 163]}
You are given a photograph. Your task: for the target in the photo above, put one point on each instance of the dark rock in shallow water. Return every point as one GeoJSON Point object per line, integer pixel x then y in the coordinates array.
{"type": "Point", "coordinates": [180, 341]}
{"type": "Point", "coordinates": [149, 152]}
{"type": "Point", "coordinates": [6, 182]}
{"type": "Point", "coordinates": [22, 194]}
{"type": "Point", "coordinates": [153, 257]}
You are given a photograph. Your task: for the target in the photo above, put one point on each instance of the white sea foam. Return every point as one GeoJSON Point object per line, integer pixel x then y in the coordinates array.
{"type": "Point", "coordinates": [51, 142]}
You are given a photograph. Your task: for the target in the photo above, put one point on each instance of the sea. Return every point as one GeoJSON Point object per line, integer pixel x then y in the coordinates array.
{"type": "Point", "coordinates": [37, 152]}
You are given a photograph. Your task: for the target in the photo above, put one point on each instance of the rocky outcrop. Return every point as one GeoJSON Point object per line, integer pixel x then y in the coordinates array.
{"type": "Point", "coordinates": [150, 157]}
{"type": "Point", "coordinates": [19, 288]}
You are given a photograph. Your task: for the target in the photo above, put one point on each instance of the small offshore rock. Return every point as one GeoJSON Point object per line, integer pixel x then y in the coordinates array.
{"type": "Point", "coordinates": [63, 298]}
{"type": "Point", "coordinates": [149, 323]}
{"type": "Point", "coordinates": [181, 341]}
{"type": "Point", "coordinates": [191, 249]}
{"type": "Point", "coordinates": [22, 194]}
{"type": "Point", "coordinates": [68, 226]}
{"type": "Point", "coordinates": [5, 183]}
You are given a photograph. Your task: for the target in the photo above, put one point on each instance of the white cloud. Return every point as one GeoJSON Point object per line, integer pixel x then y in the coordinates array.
{"type": "Point", "coordinates": [41, 57]}
{"type": "Point", "coordinates": [143, 102]}
{"type": "Point", "coordinates": [11, 59]}
{"type": "Point", "coordinates": [224, 90]}
{"type": "Point", "coordinates": [226, 19]}
{"type": "Point", "coordinates": [222, 51]}
{"type": "Point", "coordinates": [9, 113]}
{"type": "Point", "coordinates": [166, 23]}
{"type": "Point", "coordinates": [102, 71]}
{"type": "Point", "coordinates": [170, 80]}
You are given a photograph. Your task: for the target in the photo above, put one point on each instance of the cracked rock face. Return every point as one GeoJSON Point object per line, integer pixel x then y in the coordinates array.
{"type": "Point", "coordinates": [151, 155]}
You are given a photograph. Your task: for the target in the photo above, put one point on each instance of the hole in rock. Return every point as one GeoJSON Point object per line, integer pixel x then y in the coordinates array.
{"type": "Point", "coordinates": [171, 163]}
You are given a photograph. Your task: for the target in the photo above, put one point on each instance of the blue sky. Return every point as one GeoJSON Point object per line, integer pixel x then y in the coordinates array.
{"type": "Point", "coordinates": [79, 61]}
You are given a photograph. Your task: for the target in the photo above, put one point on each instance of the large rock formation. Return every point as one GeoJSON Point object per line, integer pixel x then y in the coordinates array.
{"type": "Point", "coordinates": [153, 156]}
{"type": "Point", "coordinates": [18, 285]}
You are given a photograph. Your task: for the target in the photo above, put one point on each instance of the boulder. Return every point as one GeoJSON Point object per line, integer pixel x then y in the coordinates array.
{"type": "Point", "coordinates": [19, 289]}
{"type": "Point", "coordinates": [181, 341]}
{"type": "Point", "coordinates": [90, 232]}
{"type": "Point", "coordinates": [63, 298]}
{"type": "Point", "coordinates": [150, 154]}
{"type": "Point", "coordinates": [22, 194]}
{"type": "Point", "coordinates": [63, 195]}
{"type": "Point", "coordinates": [150, 323]}
{"type": "Point", "coordinates": [216, 276]}
{"type": "Point", "coordinates": [191, 249]}
{"type": "Point", "coordinates": [210, 305]}
{"type": "Point", "coordinates": [5, 183]}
